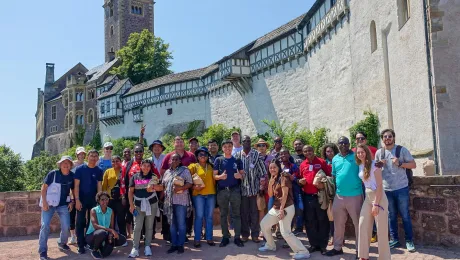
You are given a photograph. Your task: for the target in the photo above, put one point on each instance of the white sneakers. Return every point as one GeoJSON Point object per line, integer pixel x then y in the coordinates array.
{"type": "Point", "coordinates": [265, 248]}
{"type": "Point", "coordinates": [125, 244]}
{"type": "Point", "coordinates": [299, 255]}
{"type": "Point", "coordinates": [72, 240]}
{"type": "Point", "coordinates": [134, 253]}
{"type": "Point", "coordinates": [147, 251]}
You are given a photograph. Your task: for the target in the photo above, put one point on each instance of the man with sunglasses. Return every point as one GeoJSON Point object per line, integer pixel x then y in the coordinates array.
{"type": "Point", "coordinates": [349, 194]}
{"type": "Point", "coordinates": [277, 144]}
{"type": "Point", "coordinates": [105, 162]}
{"type": "Point", "coordinates": [254, 173]}
{"type": "Point", "coordinates": [361, 138]}
{"type": "Point", "coordinates": [396, 186]}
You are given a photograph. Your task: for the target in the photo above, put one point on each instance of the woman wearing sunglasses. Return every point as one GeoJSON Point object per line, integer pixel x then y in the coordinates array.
{"type": "Point", "coordinates": [203, 196]}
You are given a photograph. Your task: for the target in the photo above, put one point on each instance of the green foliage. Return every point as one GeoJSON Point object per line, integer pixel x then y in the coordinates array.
{"type": "Point", "coordinates": [144, 57]}
{"type": "Point", "coordinates": [219, 132]}
{"type": "Point", "coordinates": [122, 143]}
{"type": "Point", "coordinates": [168, 140]}
{"type": "Point", "coordinates": [192, 130]}
{"type": "Point", "coordinates": [370, 126]}
{"type": "Point", "coordinates": [71, 151]}
{"type": "Point", "coordinates": [96, 142]}
{"type": "Point", "coordinates": [79, 136]}
{"type": "Point", "coordinates": [289, 134]}
{"type": "Point", "coordinates": [11, 167]}
{"type": "Point", "coordinates": [36, 169]}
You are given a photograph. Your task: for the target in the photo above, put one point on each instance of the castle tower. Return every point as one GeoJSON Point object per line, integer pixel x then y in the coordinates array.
{"type": "Point", "coordinates": [123, 17]}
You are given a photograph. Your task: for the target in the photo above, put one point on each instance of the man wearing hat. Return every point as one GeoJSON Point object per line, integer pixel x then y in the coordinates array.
{"type": "Point", "coordinates": [55, 198]}
{"type": "Point", "coordinates": [193, 144]}
{"type": "Point", "coordinates": [105, 162]}
{"type": "Point", "coordinates": [157, 149]}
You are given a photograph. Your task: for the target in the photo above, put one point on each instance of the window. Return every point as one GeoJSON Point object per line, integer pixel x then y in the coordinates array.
{"type": "Point", "coordinates": [79, 96]}
{"type": "Point", "coordinates": [53, 113]}
{"type": "Point", "coordinates": [66, 122]}
{"type": "Point", "coordinates": [66, 101]}
{"type": "Point", "coordinates": [70, 120]}
{"type": "Point", "coordinates": [90, 116]}
{"type": "Point", "coordinates": [118, 105]}
{"type": "Point", "coordinates": [136, 10]}
{"type": "Point", "coordinates": [308, 28]}
{"type": "Point", "coordinates": [54, 129]}
{"type": "Point", "coordinates": [111, 30]}
{"type": "Point", "coordinates": [111, 49]}
{"type": "Point", "coordinates": [373, 35]}
{"type": "Point", "coordinates": [90, 94]}
{"type": "Point", "coordinates": [80, 119]}
{"type": "Point", "coordinates": [169, 111]}
{"type": "Point", "coordinates": [403, 12]}
{"type": "Point", "coordinates": [107, 104]}
{"type": "Point", "coordinates": [333, 2]}
{"type": "Point", "coordinates": [102, 108]}
{"type": "Point", "coordinates": [111, 11]}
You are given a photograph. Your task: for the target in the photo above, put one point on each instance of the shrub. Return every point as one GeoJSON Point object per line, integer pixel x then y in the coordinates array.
{"type": "Point", "coordinates": [370, 126]}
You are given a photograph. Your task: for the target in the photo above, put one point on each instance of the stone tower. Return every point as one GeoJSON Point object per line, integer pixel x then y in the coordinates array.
{"type": "Point", "coordinates": [123, 17]}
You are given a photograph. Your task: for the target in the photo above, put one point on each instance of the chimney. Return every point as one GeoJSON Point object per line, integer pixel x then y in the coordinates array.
{"type": "Point", "coordinates": [111, 56]}
{"type": "Point", "coordinates": [49, 80]}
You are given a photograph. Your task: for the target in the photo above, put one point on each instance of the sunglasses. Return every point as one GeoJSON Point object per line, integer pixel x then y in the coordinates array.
{"type": "Point", "coordinates": [343, 143]}
{"type": "Point", "coordinates": [109, 148]}
{"type": "Point", "coordinates": [387, 136]}
{"type": "Point", "coordinates": [361, 138]}
{"type": "Point", "coordinates": [202, 155]}
{"type": "Point", "coordinates": [278, 141]}
{"type": "Point", "coordinates": [261, 145]}
{"type": "Point", "coordinates": [138, 151]}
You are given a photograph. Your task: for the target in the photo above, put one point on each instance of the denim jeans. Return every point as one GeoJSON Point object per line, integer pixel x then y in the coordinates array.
{"type": "Point", "coordinates": [204, 209]}
{"type": "Point", "coordinates": [398, 201]}
{"type": "Point", "coordinates": [178, 226]}
{"type": "Point", "coordinates": [298, 204]}
{"type": "Point", "coordinates": [64, 218]}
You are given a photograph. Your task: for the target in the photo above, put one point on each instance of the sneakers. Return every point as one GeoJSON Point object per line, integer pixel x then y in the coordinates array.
{"type": "Point", "coordinates": [304, 255]}
{"type": "Point", "coordinates": [72, 240]}
{"type": "Point", "coordinates": [63, 247]}
{"type": "Point", "coordinates": [374, 238]}
{"type": "Point", "coordinates": [265, 248]}
{"type": "Point", "coordinates": [410, 246]}
{"type": "Point", "coordinates": [334, 252]}
{"type": "Point", "coordinates": [172, 249]}
{"type": "Point", "coordinates": [96, 255]}
{"type": "Point", "coordinates": [394, 243]}
{"type": "Point", "coordinates": [134, 253]}
{"type": "Point", "coordinates": [147, 251]}
{"type": "Point", "coordinates": [43, 256]}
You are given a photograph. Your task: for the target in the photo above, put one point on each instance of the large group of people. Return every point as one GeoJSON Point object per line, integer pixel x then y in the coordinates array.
{"type": "Point", "coordinates": [261, 193]}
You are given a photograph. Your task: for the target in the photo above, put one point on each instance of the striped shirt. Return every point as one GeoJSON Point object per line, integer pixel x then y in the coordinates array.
{"type": "Point", "coordinates": [254, 170]}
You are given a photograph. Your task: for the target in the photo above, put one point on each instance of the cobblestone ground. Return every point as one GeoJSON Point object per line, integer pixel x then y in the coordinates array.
{"type": "Point", "coordinates": [26, 248]}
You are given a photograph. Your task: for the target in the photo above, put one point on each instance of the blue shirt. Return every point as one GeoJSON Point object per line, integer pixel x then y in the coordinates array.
{"type": "Point", "coordinates": [89, 177]}
{"type": "Point", "coordinates": [346, 174]}
{"type": "Point", "coordinates": [66, 181]}
{"type": "Point", "coordinates": [232, 166]}
{"type": "Point", "coordinates": [104, 164]}
{"type": "Point", "coordinates": [103, 219]}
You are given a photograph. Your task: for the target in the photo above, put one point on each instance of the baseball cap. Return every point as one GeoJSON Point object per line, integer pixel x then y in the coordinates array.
{"type": "Point", "coordinates": [108, 144]}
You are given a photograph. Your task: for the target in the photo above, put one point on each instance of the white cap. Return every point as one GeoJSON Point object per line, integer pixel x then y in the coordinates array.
{"type": "Point", "coordinates": [80, 150]}
{"type": "Point", "coordinates": [65, 158]}
{"type": "Point", "coordinates": [108, 144]}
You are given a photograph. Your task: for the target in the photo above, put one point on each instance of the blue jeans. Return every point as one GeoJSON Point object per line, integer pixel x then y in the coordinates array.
{"type": "Point", "coordinates": [204, 209]}
{"type": "Point", "coordinates": [398, 201]}
{"type": "Point", "coordinates": [298, 205]}
{"type": "Point", "coordinates": [178, 226]}
{"type": "Point", "coordinates": [64, 218]}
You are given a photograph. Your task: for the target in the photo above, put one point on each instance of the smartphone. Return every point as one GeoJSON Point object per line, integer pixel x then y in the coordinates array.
{"type": "Point", "coordinates": [135, 213]}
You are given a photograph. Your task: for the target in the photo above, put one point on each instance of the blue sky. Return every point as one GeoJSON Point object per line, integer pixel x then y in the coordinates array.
{"type": "Point", "coordinates": [67, 32]}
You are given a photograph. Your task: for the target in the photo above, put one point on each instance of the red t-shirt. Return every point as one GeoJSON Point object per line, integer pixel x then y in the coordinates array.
{"type": "Point", "coordinates": [186, 159]}
{"type": "Point", "coordinates": [308, 170]}
{"type": "Point", "coordinates": [371, 148]}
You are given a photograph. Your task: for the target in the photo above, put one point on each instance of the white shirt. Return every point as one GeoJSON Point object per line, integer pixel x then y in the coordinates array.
{"type": "Point", "coordinates": [236, 150]}
{"type": "Point", "coordinates": [158, 161]}
{"type": "Point", "coordinates": [370, 183]}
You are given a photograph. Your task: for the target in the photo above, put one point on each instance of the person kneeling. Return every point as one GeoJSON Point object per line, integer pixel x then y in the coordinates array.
{"type": "Point", "coordinates": [101, 235]}
{"type": "Point", "coordinates": [282, 212]}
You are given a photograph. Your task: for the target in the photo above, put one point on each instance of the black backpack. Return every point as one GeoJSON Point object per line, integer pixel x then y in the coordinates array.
{"type": "Point", "coordinates": [409, 173]}
{"type": "Point", "coordinates": [115, 193]}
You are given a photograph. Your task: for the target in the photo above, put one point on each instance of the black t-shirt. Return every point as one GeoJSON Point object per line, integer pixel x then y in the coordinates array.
{"type": "Point", "coordinates": [66, 181]}
{"type": "Point", "coordinates": [298, 158]}
{"type": "Point", "coordinates": [89, 178]}
{"type": "Point", "coordinates": [231, 166]}
{"type": "Point", "coordinates": [140, 182]}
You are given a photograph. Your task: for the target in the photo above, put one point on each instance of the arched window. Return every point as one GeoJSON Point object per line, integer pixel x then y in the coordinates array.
{"type": "Point", "coordinates": [80, 119]}
{"type": "Point", "coordinates": [403, 12]}
{"type": "Point", "coordinates": [90, 116]}
{"type": "Point", "coordinates": [111, 30]}
{"type": "Point", "coordinates": [66, 122]}
{"type": "Point", "coordinates": [373, 35]}
{"type": "Point", "coordinates": [70, 120]}
{"type": "Point", "coordinates": [140, 10]}
{"type": "Point", "coordinates": [133, 11]}
{"type": "Point", "coordinates": [111, 12]}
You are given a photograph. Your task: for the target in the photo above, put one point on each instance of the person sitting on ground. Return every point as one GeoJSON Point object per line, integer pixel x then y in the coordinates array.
{"type": "Point", "coordinates": [282, 212]}
{"type": "Point", "coordinates": [101, 235]}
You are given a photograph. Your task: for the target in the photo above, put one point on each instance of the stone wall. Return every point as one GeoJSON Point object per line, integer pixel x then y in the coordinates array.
{"type": "Point", "coordinates": [20, 214]}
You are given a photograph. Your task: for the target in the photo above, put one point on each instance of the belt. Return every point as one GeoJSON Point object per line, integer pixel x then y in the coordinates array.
{"type": "Point", "coordinates": [228, 188]}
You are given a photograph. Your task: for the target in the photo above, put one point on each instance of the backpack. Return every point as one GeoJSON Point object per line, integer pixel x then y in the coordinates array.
{"type": "Point", "coordinates": [409, 173]}
{"type": "Point", "coordinates": [115, 192]}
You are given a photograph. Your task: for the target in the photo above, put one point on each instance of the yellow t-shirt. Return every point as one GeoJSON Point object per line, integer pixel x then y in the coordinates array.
{"type": "Point", "coordinates": [206, 175]}
{"type": "Point", "coordinates": [109, 180]}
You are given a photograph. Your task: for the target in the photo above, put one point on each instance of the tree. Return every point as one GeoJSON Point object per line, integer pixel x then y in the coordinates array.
{"type": "Point", "coordinates": [144, 57]}
{"type": "Point", "coordinates": [96, 142]}
{"type": "Point", "coordinates": [11, 168]}
{"type": "Point", "coordinates": [36, 169]}
{"type": "Point", "coordinates": [79, 136]}
{"type": "Point", "coordinates": [370, 126]}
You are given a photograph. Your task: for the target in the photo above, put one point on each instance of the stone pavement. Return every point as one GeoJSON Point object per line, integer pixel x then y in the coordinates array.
{"type": "Point", "coordinates": [26, 248]}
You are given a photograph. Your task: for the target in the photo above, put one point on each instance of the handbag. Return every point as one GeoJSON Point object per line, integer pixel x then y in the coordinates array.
{"type": "Point", "coordinates": [53, 194]}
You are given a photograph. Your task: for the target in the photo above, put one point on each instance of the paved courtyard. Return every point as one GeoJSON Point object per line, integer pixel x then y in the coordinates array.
{"type": "Point", "coordinates": [26, 248]}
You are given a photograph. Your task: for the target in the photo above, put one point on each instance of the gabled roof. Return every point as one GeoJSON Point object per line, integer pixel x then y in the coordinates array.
{"type": "Point", "coordinates": [61, 83]}
{"type": "Point", "coordinates": [95, 73]}
{"type": "Point", "coordinates": [114, 89]}
{"type": "Point", "coordinates": [173, 78]}
{"type": "Point", "coordinates": [108, 79]}
{"type": "Point", "coordinates": [277, 33]}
